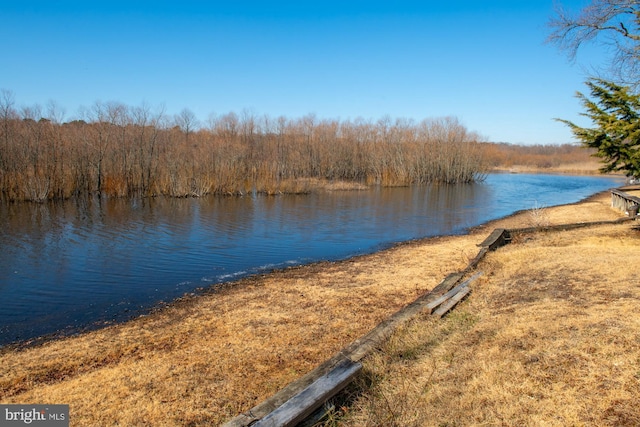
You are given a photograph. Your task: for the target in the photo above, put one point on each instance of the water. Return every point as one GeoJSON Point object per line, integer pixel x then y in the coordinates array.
{"type": "Point", "coordinates": [75, 265]}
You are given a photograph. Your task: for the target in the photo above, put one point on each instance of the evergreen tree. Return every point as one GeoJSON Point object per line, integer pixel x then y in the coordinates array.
{"type": "Point", "coordinates": [615, 112]}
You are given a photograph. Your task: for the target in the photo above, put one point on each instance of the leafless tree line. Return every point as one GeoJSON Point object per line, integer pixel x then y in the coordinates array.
{"type": "Point", "coordinates": [117, 150]}
{"type": "Point", "coordinates": [503, 155]}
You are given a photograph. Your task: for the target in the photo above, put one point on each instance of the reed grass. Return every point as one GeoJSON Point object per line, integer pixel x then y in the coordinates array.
{"type": "Point", "coordinates": [562, 158]}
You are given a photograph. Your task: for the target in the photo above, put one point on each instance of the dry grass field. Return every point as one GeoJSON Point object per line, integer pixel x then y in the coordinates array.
{"type": "Point", "coordinates": [547, 337]}
{"type": "Point", "coordinates": [586, 167]}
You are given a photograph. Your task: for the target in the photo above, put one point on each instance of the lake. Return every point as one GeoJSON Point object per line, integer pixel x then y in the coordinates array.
{"type": "Point", "coordinates": [80, 264]}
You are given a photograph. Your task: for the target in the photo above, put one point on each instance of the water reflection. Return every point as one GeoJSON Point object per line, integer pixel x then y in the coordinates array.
{"type": "Point", "coordinates": [78, 263]}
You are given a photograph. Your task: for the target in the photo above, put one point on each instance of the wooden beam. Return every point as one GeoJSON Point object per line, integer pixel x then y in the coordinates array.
{"type": "Point", "coordinates": [446, 307]}
{"type": "Point", "coordinates": [437, 302]}
{"type": "Point", "coordinates": [447, 284]}
{"type": "Point", "coordinates": [311, 398]}
{"type": "Point", "coordinates": [272, 403]}
{"type": "Point", "coordinates": [354, 352]}
{"type": "Point", "coordinates": [499, 237]}
{"type": "Point", "coordinates": [566, 227]}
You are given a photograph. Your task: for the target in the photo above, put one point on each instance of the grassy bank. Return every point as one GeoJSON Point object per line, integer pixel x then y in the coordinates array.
{"type": "Point", "coordinates": [549, 336]}
{"type": "Point", "coordinates": [203, 360]}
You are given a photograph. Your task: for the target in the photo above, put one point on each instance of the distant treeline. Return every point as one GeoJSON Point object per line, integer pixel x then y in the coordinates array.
{"type": "Point", "coordinates": [503, 156]}
{"type": "Point", "coordinates": [117, 150]}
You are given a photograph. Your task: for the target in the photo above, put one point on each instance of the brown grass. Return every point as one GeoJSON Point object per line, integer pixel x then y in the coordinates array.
{"type": "Point", "coordinates": [587, 167]}
{"type": "Point", "coordinates": [207, 359]}
{"type": "Point", "coordinates": [204, 360]}
{"type": "Point", "coordinates": [344, 186]}
{"type": "Point", "coordinates": [565, 158]}
{"type": "Point", "coordinates": [549, 336]}
{"type": "Point", "coordinates": [633, 191]}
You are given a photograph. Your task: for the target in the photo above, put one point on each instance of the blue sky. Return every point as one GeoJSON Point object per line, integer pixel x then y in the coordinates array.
{"type": "Point", "coordinates": [485, 62]}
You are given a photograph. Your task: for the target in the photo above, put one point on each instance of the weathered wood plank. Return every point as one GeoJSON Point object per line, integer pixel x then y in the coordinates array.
{"type": "Point", "coordinates": [499, 237]}
{"type": "Point", "coordinates": [447, 284]}
{"type": "Point", "coordinates": [566, 227]}
{"type": "Point", "coordinates": [267, 406]}
{"type": "Point", "coordinates": [437, 302]}
{"type": "Point", "coordinates": [311, 398]}
{"type": "Point", "coordinates": [446, 307]}
{"type": "Point", "coordinates": [355, 351]}
{"type": "Point", "coordinates": [474, 262]}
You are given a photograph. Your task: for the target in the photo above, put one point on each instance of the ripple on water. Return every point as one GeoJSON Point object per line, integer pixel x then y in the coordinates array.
{"type": "Point", "coordinates": [69, 265]}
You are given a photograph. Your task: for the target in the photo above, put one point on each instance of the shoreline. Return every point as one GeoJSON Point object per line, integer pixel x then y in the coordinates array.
{"type": "Point", "coordinates": [313, 267]}
{"type": "Point", "coordinates": [547, 337]}
{"type": "Point", "coordinates": [194, 295]}
{"type": "Point", "coordinates": [240, 344]}
{"type": "Point", "coordinates": [71, 329]}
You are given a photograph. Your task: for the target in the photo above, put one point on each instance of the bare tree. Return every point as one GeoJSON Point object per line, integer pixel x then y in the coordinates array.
{"type": "Point", "coordinates": [55, 146]}
{"type": "Point", "coordinates": [616, 23]}
{"type": "Point", "coordinates": [98, 140]}
{"type": "Point", "coordinates": [7, 114]}
{"type": "Point", "coordinates": [116, 150]}
{"type": "Point", "coordinates": [7, 105]}
{"type": "Point", "coordinates": [148, 126]}
{"type": "Point", "coordinates": [227, 125]}
{"type": "Point", "coordinates": [187, 122]}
